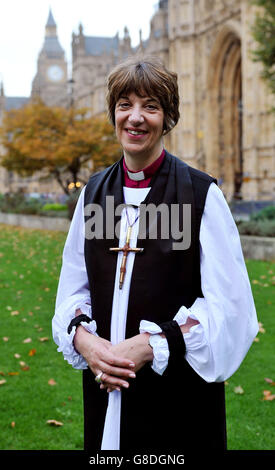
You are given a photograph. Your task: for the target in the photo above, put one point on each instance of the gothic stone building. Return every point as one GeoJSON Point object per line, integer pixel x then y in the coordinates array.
{"type": "Point", "coordinates": [225, 127]}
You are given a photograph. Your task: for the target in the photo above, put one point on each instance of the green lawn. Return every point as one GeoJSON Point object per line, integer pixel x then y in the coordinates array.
{"type": "Point", "coordinates": [250, 419]}
{"type": "Point", "coordinates": [37, 385]}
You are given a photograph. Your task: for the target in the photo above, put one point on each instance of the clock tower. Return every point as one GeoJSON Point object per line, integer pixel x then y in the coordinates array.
{"type": "Point", "coordinates": [50, 82]}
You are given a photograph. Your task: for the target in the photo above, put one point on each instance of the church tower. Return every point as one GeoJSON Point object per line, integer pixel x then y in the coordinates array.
{"type": "Point", "coordinates": [50, 82]}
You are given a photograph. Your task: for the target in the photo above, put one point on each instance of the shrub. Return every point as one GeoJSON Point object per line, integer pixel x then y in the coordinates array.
{"type": "Point", "coordinates": [54, 207]}
{"type": "Point", "coordinates": [268, 213]}
{"type": "Point", "coordinates": [261, 223]}
{"type": "Point", "coordinates": [262, 228]}
{"type": "Point", "coordinates": [17, 204]}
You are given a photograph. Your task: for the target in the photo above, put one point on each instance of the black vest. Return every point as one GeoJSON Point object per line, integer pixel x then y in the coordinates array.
{"type": "Point", "coordinates": [163, 280]}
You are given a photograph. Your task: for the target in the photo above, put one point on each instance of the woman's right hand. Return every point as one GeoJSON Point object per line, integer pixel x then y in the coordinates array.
{"type": "Point", "coordinates": [97, 352]}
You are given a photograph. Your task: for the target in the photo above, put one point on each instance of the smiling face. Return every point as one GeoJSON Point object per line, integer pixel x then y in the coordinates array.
{"type": "Point", "coordinates": [139, 129]}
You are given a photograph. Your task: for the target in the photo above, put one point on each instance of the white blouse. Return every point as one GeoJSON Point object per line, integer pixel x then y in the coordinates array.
{"type": "Point", "coordinates": [227, 317]}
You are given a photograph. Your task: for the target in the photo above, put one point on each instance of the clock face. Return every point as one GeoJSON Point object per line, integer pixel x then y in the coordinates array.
{"type": "Point", "coordinates": [55, 73]}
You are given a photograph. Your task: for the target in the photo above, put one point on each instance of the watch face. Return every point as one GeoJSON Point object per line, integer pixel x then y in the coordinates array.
{"type": "Point", "coordinates": [55, 73]}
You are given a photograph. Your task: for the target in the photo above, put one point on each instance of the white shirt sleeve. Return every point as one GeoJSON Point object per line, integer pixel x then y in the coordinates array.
{"type": "Point", "coordinates": [73, 290]}
{"type": "Point", "coordinates": [228, 323]}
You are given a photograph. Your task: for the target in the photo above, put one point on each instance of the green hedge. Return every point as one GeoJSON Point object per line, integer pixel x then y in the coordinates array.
{"type": "Point", "coordinates": [268, 213]}
{"type": "Point", "coordinates": [55, 207]}
{"type": "Point", "coordinates": [261, 224]}
{"type": "Point", "coordinates": [264, 228]}
{"type": "Point", "coordinates": [16, 203]}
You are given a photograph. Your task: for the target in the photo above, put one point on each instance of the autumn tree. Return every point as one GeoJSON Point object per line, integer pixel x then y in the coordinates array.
{"type": "Point", "coordinates": [57, 142]}
{"type": "Point", "coordinates": [263, 32]}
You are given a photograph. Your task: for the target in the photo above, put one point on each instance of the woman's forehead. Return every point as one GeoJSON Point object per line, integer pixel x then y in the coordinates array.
{"type": "Point", "coordinates": [130, 94]}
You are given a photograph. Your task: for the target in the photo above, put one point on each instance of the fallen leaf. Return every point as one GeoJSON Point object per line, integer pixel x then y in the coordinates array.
{"type": "Point", "coordinates": [52, 382]}
{"type": "Point", "coordinates": [2, 382]}
{"type": "Point", "coordinates": [32, 352]}
{"type": "Point", "coordinates": [6, 338]}
{"type": "Point", "coordinates": [13, 424]}
{"type": "Point", "coordinates": [13, 373]}
{"type": "Point", "coordinates": [269, 381]}
{"type": "Point", "coordinates": [44, 339]}
{"type": "Point", "coordinates": [239, 390]}
{"type": "Point", "coordinates": [17, 356]}
{"type": "Point", "coordinates": [53, 422]}
{"type": "Point", "coordinates": [268, 396]}
{"type": "Point", "coordinates": [27, 340]}
{"type": "Point", "coordinates": [14, 312]}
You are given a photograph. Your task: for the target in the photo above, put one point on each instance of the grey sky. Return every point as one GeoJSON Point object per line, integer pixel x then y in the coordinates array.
{"type": "Point", "coordinates": [22, 29]}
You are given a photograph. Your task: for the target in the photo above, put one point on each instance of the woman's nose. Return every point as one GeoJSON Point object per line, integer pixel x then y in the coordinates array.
{"type": "Point", "coordinates": [136, 116]}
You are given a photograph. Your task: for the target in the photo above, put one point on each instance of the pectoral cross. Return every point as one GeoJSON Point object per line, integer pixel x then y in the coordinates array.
{"type": "Point", "coordinates": [126, 249]}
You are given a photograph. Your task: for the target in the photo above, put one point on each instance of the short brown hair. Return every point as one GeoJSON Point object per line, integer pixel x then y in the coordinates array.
{"type": "Point", "coordinates": [149, 76]}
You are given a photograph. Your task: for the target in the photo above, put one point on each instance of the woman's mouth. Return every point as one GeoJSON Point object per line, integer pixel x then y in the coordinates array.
{"type": "Point", "coordinates": [136, 133]}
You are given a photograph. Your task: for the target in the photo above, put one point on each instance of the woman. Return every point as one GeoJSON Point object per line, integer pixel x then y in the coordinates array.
{"type": "Point", "coordinates": [159, 328]}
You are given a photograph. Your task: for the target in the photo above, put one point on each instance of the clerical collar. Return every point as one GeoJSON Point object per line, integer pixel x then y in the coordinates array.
{"type": "Point", "coordinates": [142, 178]}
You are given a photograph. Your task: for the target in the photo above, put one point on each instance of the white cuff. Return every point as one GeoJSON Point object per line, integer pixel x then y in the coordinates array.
{"type": "Point", "coordinates": [160, 344]}
{"type": "Point", "coordinates": [65, 339]}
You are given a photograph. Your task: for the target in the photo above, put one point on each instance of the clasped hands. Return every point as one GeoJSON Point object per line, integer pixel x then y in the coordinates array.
{"type": "Point", "coordinates": [119, 362]}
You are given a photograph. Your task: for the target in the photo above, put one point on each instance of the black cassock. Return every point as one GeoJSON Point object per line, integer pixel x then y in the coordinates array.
{"type": "Point", "coordinates": [177, 411]}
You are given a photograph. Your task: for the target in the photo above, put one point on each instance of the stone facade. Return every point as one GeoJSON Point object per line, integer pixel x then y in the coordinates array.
{"type": "Point", "coordinates": [225, 127]}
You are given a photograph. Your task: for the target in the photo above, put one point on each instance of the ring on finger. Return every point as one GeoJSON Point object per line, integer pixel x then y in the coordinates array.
{"type": "Point", "coordinates": [98, 377]}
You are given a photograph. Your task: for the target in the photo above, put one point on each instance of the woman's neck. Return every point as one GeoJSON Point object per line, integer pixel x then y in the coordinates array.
{"type": "Point", "coordinates": [138, 162]}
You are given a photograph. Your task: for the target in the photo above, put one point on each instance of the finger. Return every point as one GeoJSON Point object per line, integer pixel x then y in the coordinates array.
{"type": "Point", "coordinates": [117, 361]}
{"type": "Point", "coordinates": [114, 382]}
{"type": "Point", "coordinates": [109, 388]}
{"type": "Point", "coordinates": [116, 371]}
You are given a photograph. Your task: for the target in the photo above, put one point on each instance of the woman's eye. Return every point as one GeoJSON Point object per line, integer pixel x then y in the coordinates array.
{"type": "Point", "coordinates": [123, 105]}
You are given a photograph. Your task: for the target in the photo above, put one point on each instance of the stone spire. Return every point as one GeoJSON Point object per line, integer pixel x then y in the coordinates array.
{"type": "Point", "coordinates": [51, 25]}
{"type": "Point", "coordinates": [51, 46]}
